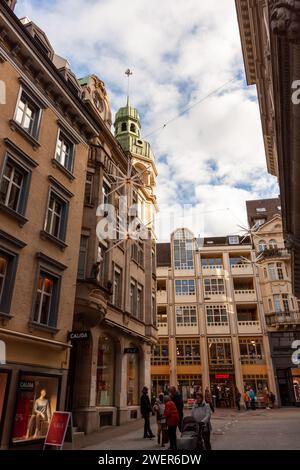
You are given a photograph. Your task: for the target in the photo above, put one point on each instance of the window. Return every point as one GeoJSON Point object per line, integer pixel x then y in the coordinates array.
{"type": "Point", "coordinates": [56, 218]}
{"type": "Point", "coordinates": [153, 308]}
{"type": "Point", "coordinates": [233, 240]}
{"type": "Point", "coordinates": [259, 222]}
{"type": "Point", "coordinates": [186, 316]}
{"type": "Point", "coordinates": [8, 267]}
{"type": "Point", "coordinates": [219, 352]}
{"type": "Point", "coordinates": [272, 244]}
{"type": "Point", "coordinates": [14, 185]}
{"type": "Point", "coordinates": [65, 151]}
{"type": "Point", "coordinates": [117, 288]}
{"type": "Point", "coordinates": [46, 302]}
{"type": "Point", "coordinates": [262, 245]}
{"type": "Point", "coordinates": [137, 253]}
{"type": "Point", "coordinates": [183, 254]}
{"type": "Point", "coordinates": [28, 114]}
{"type": "Point", "coordinates": [160, 353]}
{"type": "Point", "coordinates": [105, 192]}
{"type": "Point", "coordinates": [188, 351]}
{"type": "Point", "coordinates": [277, 303]}
{"type": "Point", "coordinates": [123, 127]}
{"type": "Point", "coordinates": [261, 209]}
{"type": "Point", "coordinates": [285, 302]}
{"type": "Point", "coordinates": [140, 302]}
{"type": "Point", "coordinates": [81, 271]}
{"type": "Point", "coordinates": [216, 315]}
{"type": "Point", "coordinates": [185, 287]}
{"type": "Point", "coordinates": [275, 271]}
{"type": "Point", "coordinates": [251, 351]}
{"type": "Point", "coordinates": [88, 192]}
{"type": "Point", "coordinates": [270, 305]}
{"type": "Point", "coordinates": [212, 262]}
{"type": "Point", "coordinates": [214, 286]}
{"type": "Point", "coordinates": [133, 372]}
{"type": "Point", "coordinates": [162, 317]}
{"type": "Point", "coordinates": [132, 128]}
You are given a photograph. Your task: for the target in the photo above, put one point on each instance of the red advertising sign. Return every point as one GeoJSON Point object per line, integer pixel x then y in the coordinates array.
{"type": "Point", "coordinates": [222, 376]}
{"type": "Point", "coordinates": [57, 428]}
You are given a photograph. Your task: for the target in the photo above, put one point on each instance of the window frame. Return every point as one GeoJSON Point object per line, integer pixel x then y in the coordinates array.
{"type": "Point", "coordinates": [38, 110]}
{"type": "Point", "coordinates": [179, 287]}
{"type": "Point", "coordinates": [64, 217]}
{"type": "Point", "coordinates": [62, 136]}
{"type": "Point", "coordinates": [188, 315]}
{"type": "Point", "coordinates": [9, 280]}
{"type": "Point", "coordinates": [55, 299]}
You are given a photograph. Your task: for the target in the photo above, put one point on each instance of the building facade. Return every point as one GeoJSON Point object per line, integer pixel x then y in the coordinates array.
{"type": "Point", "coordinates": [45, 132]}
{"type": "Point", "coordinates": [116, 285]}
{"type": "Point", "coordinates": [281, 307]}
{"type": "Point", "coordinates": [270, 36]}
{"type": "Point", "coordinates": [211, 323]}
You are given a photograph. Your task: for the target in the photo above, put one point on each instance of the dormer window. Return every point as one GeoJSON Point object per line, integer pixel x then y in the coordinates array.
{"type": "Point", "coordinates": [123, 127]}
{"type": "Point", "coordinates": [41, 45]}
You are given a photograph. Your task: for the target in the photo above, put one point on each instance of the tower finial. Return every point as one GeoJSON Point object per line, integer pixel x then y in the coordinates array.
{"type": "Point", "coordinates": [128, 73]}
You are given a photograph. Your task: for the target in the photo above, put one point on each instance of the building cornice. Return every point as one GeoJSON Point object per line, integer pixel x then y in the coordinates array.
{"type": "Point", "coordinates": [285, 18]}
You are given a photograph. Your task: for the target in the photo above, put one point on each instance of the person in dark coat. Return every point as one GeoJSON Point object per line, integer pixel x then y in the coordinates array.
{"type": "Point", "coordinates": [146, 410]}
{"type": "Point", "coordinates": [177, 399]}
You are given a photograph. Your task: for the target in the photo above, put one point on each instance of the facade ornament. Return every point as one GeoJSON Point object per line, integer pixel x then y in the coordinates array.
{"type": "Point", "coordinates": [285, 18]}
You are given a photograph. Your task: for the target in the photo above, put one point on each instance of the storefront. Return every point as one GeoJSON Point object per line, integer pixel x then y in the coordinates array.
{"type": "Point", "coordinates": [105, 381]}
{"type": "Point", "coordinates": [133, 371]}
{"type": "Point", "coordinates": [189, 385]}
{"type": "Point", "coordinates": [160, 384]}
{"type": "Point", "coordinates": [222, 386]}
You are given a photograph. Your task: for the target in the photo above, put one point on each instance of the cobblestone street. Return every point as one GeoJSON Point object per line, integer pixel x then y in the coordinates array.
{"type": "Point", "coordinates": [260, 430]}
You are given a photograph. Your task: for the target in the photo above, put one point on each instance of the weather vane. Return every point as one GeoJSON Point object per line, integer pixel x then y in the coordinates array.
{"type": "Point", "coordinates": [128, 73]}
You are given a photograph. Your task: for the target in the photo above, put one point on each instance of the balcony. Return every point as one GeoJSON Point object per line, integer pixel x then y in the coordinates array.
{"type": "Point", "coordinates": [249, 326]}
{"type": "Point", "coordinates": [245, 295]}
{"type": "Point", "coordinates": [217, 328]}
{"type": "Point", "coordinates": [212, 269]}
{"type": "Point", "coordinates": [282, 319]}
{"type": "Point", "coordinates": [274, 253]}
{"type": "Point", "coordinates": [242, 269]}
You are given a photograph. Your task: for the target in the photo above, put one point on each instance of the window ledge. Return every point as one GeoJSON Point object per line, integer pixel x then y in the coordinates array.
{"type": "Point", "coordinates": [20, 218]}
{"type": "Point", "coordinates": [16, 127]}
{"type": "Point", "coordinates": [5, 317]}
{"type": "Point", "coordinates": [32, 325]}
{"type": "Point", "coordinates": [64, 170]}
{"type": "Point", "coordinates": [47, 236]}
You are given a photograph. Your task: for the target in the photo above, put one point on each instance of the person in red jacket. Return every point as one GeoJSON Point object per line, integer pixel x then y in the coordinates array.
{"type": "Point", "coordinates": [172, 420]}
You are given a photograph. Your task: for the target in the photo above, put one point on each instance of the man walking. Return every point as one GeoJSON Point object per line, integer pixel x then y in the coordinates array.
{"type": "Point", "coordinates": [177, 399]}
{"type": "Point", "coordinates": [146, 410]}
{"type": "Point", "coordinates": [201, 412]}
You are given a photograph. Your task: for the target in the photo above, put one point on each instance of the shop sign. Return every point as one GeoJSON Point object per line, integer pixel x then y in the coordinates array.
{"type": "Point", "coordinates": [57, 429]}
{"type": "Point", "coordinates": [222, 376]}
{"type": "Point", "coordinates": [131, 350]}
{"type": "Point", "coordinates": [78, 335]}
{"type": "Point", "coordinates": [26, 386]}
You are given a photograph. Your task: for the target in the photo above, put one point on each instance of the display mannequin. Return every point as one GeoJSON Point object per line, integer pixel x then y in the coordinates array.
{"type": "Point", "coordinates": [41, 413]}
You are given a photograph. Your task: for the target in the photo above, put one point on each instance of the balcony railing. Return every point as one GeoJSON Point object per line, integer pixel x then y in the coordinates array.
{"type": "Point", "coordinates": [282, 318]}
{"type": "Point", "coordinates": [274, 253]}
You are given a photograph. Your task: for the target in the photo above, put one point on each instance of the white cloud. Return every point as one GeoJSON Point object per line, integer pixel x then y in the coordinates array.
{"type": "Point", "coordinates": [212, 156]}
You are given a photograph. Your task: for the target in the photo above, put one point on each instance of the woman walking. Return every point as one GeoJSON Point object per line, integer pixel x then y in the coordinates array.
{"type": "Point", "coordinates": [172, 420]}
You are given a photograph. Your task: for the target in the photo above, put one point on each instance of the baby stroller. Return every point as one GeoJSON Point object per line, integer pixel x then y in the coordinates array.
{"type": "Point", "coordinates": [191, 435]}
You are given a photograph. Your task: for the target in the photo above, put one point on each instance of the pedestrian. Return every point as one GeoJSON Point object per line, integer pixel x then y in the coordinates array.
{"type": "Point", "coordinates": [246, 400]}
{"type": "Point", "coordinates": [252, 398]}
{"type": "Point", "coordinates": [238, 395]}
{"type": "Point", "coordinates": [201, 412]}
{"type": "Point", "coordinates": [146, 410]}
{"type": "Point", "coordinates": [159, 409]}
{"type": "Point", "coordinates": [177, 399]}
{"type": "Point", "coordinates": [172, 420]}
{"type": "Point", "coordinates": [272, 399]}
{"type": "Point", "coordinates": [207, 397]}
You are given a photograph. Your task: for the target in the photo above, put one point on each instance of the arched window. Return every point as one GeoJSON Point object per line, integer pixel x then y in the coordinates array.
{"type": "Point", "coordinates": [132, 128]}
{"type": "Point", "coordinates": [262, 246]}
{"type": "Point", "coordinates": [183, 245]}
{"type": "Point", "coordinates": [123, 127]}
{"type": "Point", "coordinates": [272, 244]}
{"type": "Point", "coordinates": [133, 371]}
{"type": "Point", "coordinates": [105, 372]}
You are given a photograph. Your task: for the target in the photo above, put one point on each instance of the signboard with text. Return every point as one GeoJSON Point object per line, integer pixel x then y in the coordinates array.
{"type": "Point", "coordinates": [57, 428]}
{"type": "Point", "coordinates": [222, 376]}
{"type": "Point", "coordinates": [78, 335]}
{"type": "Point", "coordinates": [131, 350]}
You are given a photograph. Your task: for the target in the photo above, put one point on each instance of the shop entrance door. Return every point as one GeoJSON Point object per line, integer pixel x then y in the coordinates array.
{"type": "Point", "coordinates": [222, 390]}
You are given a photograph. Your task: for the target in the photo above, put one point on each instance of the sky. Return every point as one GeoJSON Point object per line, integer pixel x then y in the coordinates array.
{"type": "Point", "coordinates": [211, 159]}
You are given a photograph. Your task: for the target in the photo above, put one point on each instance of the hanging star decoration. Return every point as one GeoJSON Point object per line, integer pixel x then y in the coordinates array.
{"type": "Point", "coordinates": [248, 232]}
{"type": "Point", "coordinates": [254, 262]}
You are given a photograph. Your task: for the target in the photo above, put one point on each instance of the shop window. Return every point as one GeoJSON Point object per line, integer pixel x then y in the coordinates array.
{"type": "Point", "coordinates": [4, 384]}
{"type": "Point", "coordinates": [189, 385]}
{"type": "Point", "coordinates": [105, 372]}
{"type": "Point", "coordinates": [37, 399]}
{"type": "Point", "coordinates": [133, 378]}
